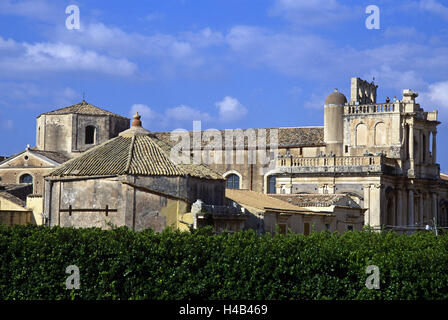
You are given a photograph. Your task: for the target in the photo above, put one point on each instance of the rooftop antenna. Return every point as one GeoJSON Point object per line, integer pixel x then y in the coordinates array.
{"type": "Point", "coordinates": [373, 81]}
{"type": "Point", "coordinates": [83, 96]}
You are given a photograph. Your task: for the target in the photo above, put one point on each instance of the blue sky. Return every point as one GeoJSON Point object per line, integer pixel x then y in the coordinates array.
{"type": "Point", "coordinates": [231, 64]}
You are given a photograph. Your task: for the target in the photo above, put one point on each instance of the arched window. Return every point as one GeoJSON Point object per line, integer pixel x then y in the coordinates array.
{"type": "Point", "coordinates": [271, 184]}
{"type": "Point", "coordinates": [233, 181]}
{"type": "Point", "coordinates": [90, 135]}
{"type": "Point", "coordinates": [361, 135]}
{"type": "Point", "coordinates": [380, 134]}
{"type": "Point", "coordinates": [26, 178]}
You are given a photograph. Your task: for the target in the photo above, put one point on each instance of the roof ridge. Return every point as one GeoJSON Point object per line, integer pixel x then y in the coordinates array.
{"type": "Point", "coordinates": [67, 163]}
{"type": "Point", "coordinates": [131, 150]}
{"type": "Point", "coordinates": [77, 109]}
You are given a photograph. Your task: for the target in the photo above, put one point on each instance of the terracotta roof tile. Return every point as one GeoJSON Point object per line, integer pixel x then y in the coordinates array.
{"type": "Point", "coordinates": [136, 152]}
{"type": "Point", "coordinates": [84, 108]}
{"type": "Point", "coordinates": [287, 137]}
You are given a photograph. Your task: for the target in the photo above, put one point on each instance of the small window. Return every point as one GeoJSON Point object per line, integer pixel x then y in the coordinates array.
{"type": "Point", "coordinates": [233, 181]}
{"type": "Point", "coordinates": [349, 227]}
{"type": "Point", "coordinates": [271, 184]}
{"type": "Point", "coordinates": [282, 228]}
{"type": "Point", "coordinates": [26, 178]}
{"type": "Point", "coordinates": [90, 135]}
{"type": "Point", "coordinates": [327, 227]}
{"type": "Point", "coordinates": [306, 228]}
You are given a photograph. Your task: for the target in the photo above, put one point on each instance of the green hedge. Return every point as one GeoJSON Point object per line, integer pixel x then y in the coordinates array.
{"type": "Point", "coordinates": [122, 264]}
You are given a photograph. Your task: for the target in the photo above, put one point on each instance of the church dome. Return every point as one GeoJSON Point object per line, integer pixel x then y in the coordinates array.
{"type": "Point", "coordinates": [336, 98]}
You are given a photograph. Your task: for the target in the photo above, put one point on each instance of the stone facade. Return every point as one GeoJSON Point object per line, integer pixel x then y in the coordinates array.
{"type": "Point", "coordinates": [383, 155]}
{"type": "Point", "coordinates": [73, 130]}
{"type": "Point", "coordinates": [128, 181]}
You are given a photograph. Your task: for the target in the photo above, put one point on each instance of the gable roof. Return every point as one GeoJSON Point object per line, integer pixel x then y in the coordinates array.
{"type": "Point", "coordinates": [16, 193]}
{"type": "Point", "coordinates": [84, 108]}
{"type": "Point", "coordinates": [135, 151]}
{"type": "Point", "coordinates": [52, 157]}
{"type": "Point", "coordinates": [317, 200]}
{"type": "Point", "coordinates": [287, 137]}
{"type": "Point", "coordinates": [263, 202]}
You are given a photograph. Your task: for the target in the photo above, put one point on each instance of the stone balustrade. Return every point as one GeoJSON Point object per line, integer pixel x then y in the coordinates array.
{"type": "Point", "coordinates": [373, 108]}
{"type": "Point", "coordinates": [374, 163]}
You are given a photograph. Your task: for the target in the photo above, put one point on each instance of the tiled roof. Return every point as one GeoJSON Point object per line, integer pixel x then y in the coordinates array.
{"type": "Point", "coordinates": [135, 151]}
{"type": "Point", "coordinates": [317, 200]}
{"type": "Point", "coordinates": [58, 157]}
{"type": "Point", "coordinates": [12, 198]}
{"type": "Point", "coordinates": [16, 193]}
{"type": "Point", "coordinates": [84, 108]}
{"type": "Point", "coordinates": [287, 137]}
{"type": "Point", "coordinates": [262, 201]}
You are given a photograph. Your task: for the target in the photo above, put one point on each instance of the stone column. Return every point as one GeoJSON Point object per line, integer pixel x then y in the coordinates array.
{"type": "Point", "coordinates": [399, 220]}
{"type": "Point", "coordinates": [421, 208]}
{"type": "Point", "coordinates": [376, 206]}
{"type": "Point", "coordinates": [367, 204]}
{"type": "Point", "coordinates": [411, 149]}
{"type": "Point", "coordinates": [434, 146]}
{"type": "Point", "coordinates": [434, 207]}
{"type": "Point", "coordinates": [383, 205]}
{"type": "Point", "coordinates": [411, 207]}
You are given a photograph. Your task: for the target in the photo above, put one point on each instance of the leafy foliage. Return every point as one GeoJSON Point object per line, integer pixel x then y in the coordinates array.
{"type": "Point", "coordinates": [122, 264]}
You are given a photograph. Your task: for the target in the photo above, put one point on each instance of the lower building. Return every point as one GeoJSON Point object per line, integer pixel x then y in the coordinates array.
{"type": "Point", "coordinates": [128, 181]}
{"type": "Point", "coordinates": [268, 213]}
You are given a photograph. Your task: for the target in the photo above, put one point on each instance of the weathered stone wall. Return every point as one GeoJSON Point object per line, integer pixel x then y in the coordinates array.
{"type": "Point", "coordinates": [55, 132]}
{"type": "Point", "coordinates": [209, 191]}
{"type": "Point", "coordinates": [13, 176]}
{"type": "Point", "coordinates": [11, 218]}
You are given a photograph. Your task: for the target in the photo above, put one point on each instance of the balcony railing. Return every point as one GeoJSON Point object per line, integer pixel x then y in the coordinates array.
{"type": "Point", "coordinates": [373, 108]}
{"type": "Point", "coordinates": [336, 164]}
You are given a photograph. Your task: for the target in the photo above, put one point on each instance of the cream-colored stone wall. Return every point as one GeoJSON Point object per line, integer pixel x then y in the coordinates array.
{"type": "Point", "coordinates": [35, 203]}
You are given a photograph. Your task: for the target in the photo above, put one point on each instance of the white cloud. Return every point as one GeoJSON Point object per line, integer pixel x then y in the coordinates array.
{"type": "Point", "coordinates": [36, 9]}
{"type": "Point", "coordinates": [230, 109]}
{"type": "Point", "coordinates": [436, 97]}
{"type": "Point", "coordinates": [185, 113]}
{"type": "Point", "coordinates": [315, 101]}
{"type": "Point", "coordinates": [148, 115]}
{"type": "Point", "coordinates": [55, 57]}
{"type": "Point", "coordinates": [434, 7]}
{"type": "Point", "coordinates": [182, 116]}
{"type": "Point", "coordinates": [34, 95]}
{"type": "Point", "coordinates": [397, 79]}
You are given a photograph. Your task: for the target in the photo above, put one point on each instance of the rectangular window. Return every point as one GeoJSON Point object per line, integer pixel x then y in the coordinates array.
{"type": "Point", "coordinates": [349, 227]}
{"type": "Point", "coordinates": [282, 228]}
{"type": "Point", "coordinates": [327, 227]}
{"type": "Point", "coordinates": [306, 228]}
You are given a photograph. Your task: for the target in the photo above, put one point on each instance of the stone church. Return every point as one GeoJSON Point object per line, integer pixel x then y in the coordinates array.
{"type": "Point", "coordinates": [382, 155]}
{"type": "Point", "coordinates": [379, 157]}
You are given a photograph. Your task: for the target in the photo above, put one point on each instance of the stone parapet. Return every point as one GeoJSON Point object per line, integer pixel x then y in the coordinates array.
{"type": "Point", "coordinates": [370, 164]}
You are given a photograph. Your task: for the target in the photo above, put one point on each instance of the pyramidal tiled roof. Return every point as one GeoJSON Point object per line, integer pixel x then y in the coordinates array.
{"type": "Point", "coordinates": [135, 151]}
{"type": "Point", "coordinates": [84, 108]}
{"type": "Point", "coordinates": [287, 137]}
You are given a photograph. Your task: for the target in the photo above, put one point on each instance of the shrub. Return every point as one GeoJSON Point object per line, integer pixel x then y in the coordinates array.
{"type": "Point", "coordinates": [122, 264]}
